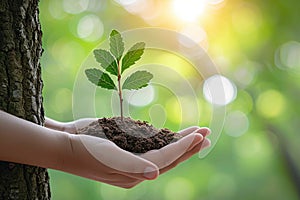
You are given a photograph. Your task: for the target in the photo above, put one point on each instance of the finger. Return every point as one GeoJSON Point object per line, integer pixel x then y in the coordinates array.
{"type": "Point", "coordinates": [168, 154]}
{"type": "Point", "coordinates": [181, 159]}
{"type": "Point", "coordinates": [149, 174]}
{"type": "Point", "coordinates": [195, 129]}
{"type": "Point", "coordinates": [120, 180]}
{"type": "Point", "coordinates": [188, 130]}
{"type": "Point", "coordinates": [121, 161]}
{"type": "Point", "coordinates": [123, 183]}
{"type": "Point", "coordinates": [206, 143]}
{"type": "Point", "coordinates": [129, 185]}
{"type": "Point", "coordinates": [203, 131]}
{"type": "Point", "coordinates": [187, 155]}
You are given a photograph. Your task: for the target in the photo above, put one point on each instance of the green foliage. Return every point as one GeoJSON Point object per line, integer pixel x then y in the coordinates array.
{"type": "Point", "coordinates": [110, 62]}
{"type": "Point", "coordinates": [100, 78]}
{"type": "Point", "coordinates": [107, 61]}
{"type": "Point", "coordinates": [137, 80]}
{"type": "Point", "coordinates": [116, 44]}
{"type": "Point", "coordinates": [133, 55]}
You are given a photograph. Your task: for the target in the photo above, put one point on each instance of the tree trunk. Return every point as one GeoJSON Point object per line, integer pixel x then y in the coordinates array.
{"type": "Point", "coordinates": [21, 91]}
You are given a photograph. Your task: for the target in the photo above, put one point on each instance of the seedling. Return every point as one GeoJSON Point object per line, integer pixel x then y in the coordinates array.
{"type": "Point", "coordinates": [115, 63]}
{"type": "Point", "coordinates": [135, 136]}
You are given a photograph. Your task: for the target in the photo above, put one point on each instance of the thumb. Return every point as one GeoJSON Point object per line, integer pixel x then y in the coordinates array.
{"type": "Point", "coordinates": [168, 154]}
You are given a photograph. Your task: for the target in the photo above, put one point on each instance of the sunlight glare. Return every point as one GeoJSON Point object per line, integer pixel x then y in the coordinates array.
{"type": "Point", "coordinates": [191, 35]}
{"type": "Point", "coordinates": [215, 2]}
{"type": "Point", "coordinates": [126, 2]}
{"type": "Point", "coordinates": [188, 10]}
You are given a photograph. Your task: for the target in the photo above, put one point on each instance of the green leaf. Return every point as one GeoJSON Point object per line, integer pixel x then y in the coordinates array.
{"type": "Point", "coordinates": [100, 78]}
{"type": "Point", "coordinates": [133, 55]}
{"type": "Point", "coordinates": [116, 44]}
{"type": "Point", "coordinates": [137, 80]}
{"type": "Point", "coordinates": [107, 61]}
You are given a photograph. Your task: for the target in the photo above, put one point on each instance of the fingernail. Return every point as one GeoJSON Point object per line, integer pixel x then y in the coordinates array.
{"type": "Point", "coordinates": [150, 173]}
{"type": "Point", "coordinates": [206, 143]}
{"type": "Point", "coordinates": [196, 142]}
{"type": "Point", "coordinates": [207, 131]}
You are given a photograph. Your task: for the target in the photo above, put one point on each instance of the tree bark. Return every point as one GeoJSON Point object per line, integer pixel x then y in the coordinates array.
{"type": "Point", "coordinates": [21, 91]}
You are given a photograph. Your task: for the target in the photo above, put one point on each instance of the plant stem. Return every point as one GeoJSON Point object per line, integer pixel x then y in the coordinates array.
{"type": "Point", "coordinates": [120, 90]}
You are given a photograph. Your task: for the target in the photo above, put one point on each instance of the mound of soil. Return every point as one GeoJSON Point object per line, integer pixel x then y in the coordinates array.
{"type": "Point", "coordinates": [131, 135]}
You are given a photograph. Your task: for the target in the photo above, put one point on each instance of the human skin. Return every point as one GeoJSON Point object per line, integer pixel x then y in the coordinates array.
{"type": "Point", "coordinates": [57, 146]}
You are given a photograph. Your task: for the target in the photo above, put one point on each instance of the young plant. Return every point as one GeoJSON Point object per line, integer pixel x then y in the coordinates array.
{"type": "Point", "coordinates": [115, 63]}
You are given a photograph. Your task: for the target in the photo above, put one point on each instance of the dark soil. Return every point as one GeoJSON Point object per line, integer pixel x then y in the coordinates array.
{"type": "Point", "coordinates": [130, 135]}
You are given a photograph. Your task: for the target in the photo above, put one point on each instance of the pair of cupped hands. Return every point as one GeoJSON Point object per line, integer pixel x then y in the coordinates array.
{"type": "Point", "coordinates": [121, 168]}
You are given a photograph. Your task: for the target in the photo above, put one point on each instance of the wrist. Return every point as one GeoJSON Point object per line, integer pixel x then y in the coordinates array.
{"type": "Point", "coordinates": [60, 126]}
{"type": "Point", "coordinates": [69, 127]}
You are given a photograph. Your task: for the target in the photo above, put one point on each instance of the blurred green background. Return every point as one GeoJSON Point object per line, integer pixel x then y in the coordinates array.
{"type": "Point", "coordinates": [255, 44]}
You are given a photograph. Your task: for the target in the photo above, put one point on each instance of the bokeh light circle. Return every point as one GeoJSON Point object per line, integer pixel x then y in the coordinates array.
{"type": "Point", "coordinates": [287, 56]}
{"type": "Point", "coordinates": [140, 97]}
{"type": "Point", "coordinates": [90, 28]}
{"type": "Point", "coordinates": [219, 90]}
{"type": "Point", "coordinates": [236, 124]}
{"type": "Point", "coordinates": [187, 190]}
{"type": "Point", "coordinates": [270, 103]}
{"type": "Point", "coordinates": [75, 7]}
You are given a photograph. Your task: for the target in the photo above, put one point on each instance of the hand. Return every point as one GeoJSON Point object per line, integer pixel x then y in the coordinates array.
{"type": "Point", "coordinates": [74, 126]}
{"type": "Point", "coordinates": [105, 161]}
{"type": "Point", "coordinates": [194, 139]}
{"type": "Point", "coordinates": [88, 156]}
{"type": "Point", "coordinates": [129, 171]}
{"type": "Point", "coordinates": [100, 159]}
{"type": "Point", "coordinates": [91, 157]}
{"type": "Point", "coordinates": [69, 127]}
{"type": "Point", "coordinates": [171, 155]}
